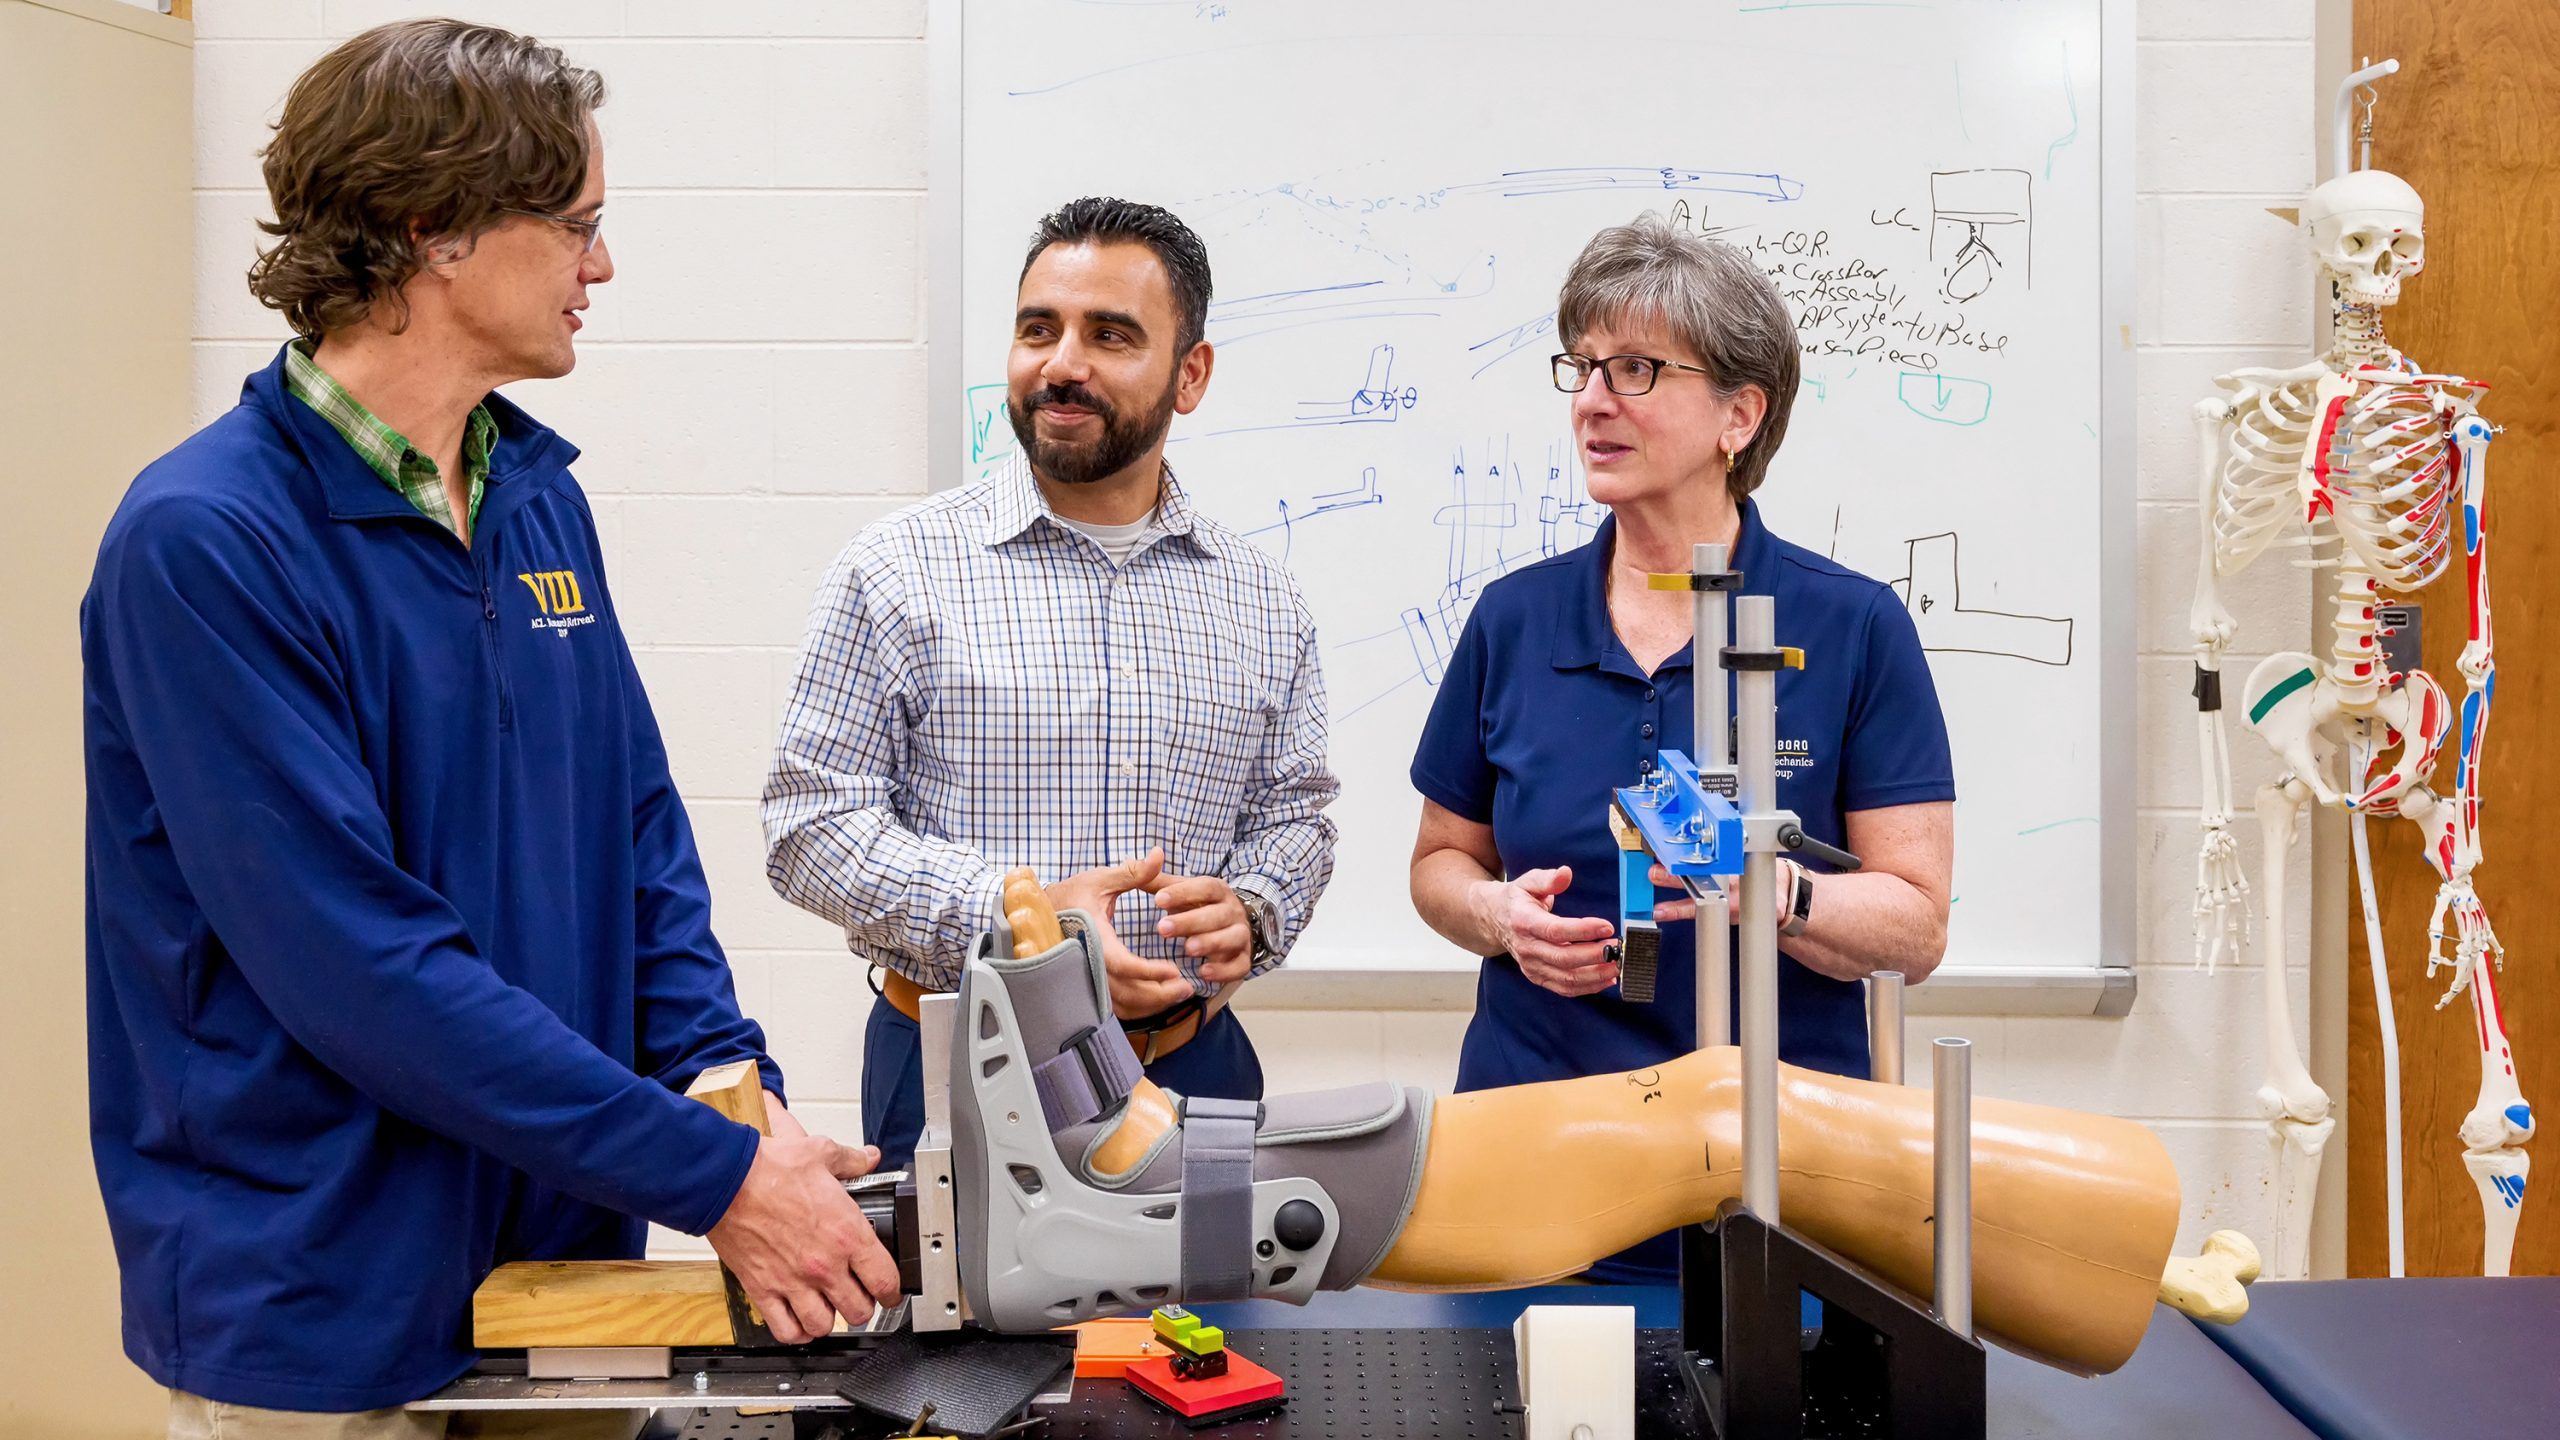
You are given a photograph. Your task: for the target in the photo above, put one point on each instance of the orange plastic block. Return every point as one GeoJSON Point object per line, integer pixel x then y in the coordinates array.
{"type": "Point", "coordinates": [1105, 1349]}
{"type": "Point", "coordinates": [1246, 1389]}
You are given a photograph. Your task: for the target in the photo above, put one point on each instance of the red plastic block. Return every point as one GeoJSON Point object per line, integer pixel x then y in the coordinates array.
{"type": "Point", "coordinates": [1246, 1388]}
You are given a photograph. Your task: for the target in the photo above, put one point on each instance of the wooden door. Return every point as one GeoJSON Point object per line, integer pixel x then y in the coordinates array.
{"type": "Point", "coordinates": [2472, 121]}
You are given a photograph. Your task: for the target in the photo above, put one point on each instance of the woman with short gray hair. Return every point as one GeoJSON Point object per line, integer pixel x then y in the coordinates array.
{"type": "Point", "coordinates": [1573, 676]}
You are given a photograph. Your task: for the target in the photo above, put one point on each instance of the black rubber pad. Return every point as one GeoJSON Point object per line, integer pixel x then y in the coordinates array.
{"type": "Point", "coordinates": [976, 1383]}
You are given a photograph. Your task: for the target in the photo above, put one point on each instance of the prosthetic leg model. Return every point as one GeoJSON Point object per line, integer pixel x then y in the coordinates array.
{"type": "Point", "coordinates": [1089, 1191]}
{"type": "Point", "coordinates": [2374, 465]}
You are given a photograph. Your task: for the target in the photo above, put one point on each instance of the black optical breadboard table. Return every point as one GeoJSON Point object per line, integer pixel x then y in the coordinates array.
{"type": "Point", "coordinates": [1380, 1384]}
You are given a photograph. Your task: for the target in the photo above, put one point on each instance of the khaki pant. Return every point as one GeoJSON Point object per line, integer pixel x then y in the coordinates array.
{"type": "Point", "coordinates": [192, 1417]}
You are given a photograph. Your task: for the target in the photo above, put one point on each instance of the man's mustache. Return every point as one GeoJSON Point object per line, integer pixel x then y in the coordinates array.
{"type": "Point", "coordinates": [1075, 395]}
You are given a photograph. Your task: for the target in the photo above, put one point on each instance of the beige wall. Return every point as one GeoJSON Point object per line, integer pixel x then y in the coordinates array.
{"type": "Point", "coordinates": [95, 139]}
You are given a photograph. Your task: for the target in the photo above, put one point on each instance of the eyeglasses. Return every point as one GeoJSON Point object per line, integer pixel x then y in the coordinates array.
{"type": "Point", "coordinates": [588, 229]}
{"type": "Point", "coordinates": [1623, 374]}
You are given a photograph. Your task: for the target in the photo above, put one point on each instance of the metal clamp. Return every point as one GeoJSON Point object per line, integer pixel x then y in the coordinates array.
{"type": "Point", "coordinates": [1791, 836]}
{"type": "Point", "coordinates": [1712, 580]}
{"type": "Point", "coordinates": [1756, 658]}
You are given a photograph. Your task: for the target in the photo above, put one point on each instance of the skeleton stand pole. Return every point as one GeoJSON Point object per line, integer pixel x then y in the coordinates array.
{"type": "Point", "coordinates": [2390, 1028]}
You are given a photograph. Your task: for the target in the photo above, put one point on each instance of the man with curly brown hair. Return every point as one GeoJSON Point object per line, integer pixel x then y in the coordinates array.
{"type": "Point", "coordinates": [399, 947]}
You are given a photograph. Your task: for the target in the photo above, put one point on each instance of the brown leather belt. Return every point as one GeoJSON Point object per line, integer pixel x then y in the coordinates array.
{"type": "Point", "coordinates": [1150, 1045]}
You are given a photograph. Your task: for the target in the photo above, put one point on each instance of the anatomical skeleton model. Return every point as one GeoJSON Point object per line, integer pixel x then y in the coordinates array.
{"type": "Point", "coordinates": [2376, 466]}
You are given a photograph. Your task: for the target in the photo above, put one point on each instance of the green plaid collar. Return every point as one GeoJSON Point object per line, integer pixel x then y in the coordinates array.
{"type": "Point", "coordinates": [385, 450]}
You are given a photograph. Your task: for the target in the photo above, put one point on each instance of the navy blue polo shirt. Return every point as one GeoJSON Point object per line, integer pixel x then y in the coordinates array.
{"type": "Point", "coordinates": [1543, 712]}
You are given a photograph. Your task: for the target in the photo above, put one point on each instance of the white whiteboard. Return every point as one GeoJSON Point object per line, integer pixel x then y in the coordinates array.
{"type": "Point", "coordinates": [1392, 192]}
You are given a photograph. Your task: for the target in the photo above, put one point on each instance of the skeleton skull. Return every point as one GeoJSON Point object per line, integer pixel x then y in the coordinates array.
{"type": "Point", "coordinates": [2367, 230]}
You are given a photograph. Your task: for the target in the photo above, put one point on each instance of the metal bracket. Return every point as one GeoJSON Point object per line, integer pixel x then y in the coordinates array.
{"type": "Point", "coordinates": [598, 1362]}
{"type": "Point", "coordinates": [1688, 827]}
{"type": "Point", "coordinates": [939, 1304]}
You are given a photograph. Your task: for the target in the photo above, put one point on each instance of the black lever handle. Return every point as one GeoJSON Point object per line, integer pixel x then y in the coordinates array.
{"type": "Point", "coordinates": [1792, 837]}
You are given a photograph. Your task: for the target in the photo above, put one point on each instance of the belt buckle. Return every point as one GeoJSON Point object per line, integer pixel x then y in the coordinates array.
{"type": "Point", "coordinates": [1160, 1043]}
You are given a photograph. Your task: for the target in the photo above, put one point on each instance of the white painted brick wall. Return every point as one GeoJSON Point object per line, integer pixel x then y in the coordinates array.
{"type": "Point", "coordinates": [751, 390]}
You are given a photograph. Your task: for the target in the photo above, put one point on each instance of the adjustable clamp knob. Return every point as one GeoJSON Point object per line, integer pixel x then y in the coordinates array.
{"type": "Point", "coordinates": [1299, 1225]}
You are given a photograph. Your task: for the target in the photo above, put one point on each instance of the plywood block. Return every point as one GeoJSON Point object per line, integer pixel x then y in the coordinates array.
{"type": "Point", "coordinates": [601, 1302]}
{"type": "Point", "coordinates": [735, 1090]}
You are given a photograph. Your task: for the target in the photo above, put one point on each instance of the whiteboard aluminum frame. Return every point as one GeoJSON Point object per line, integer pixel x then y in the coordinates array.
{"type": "Point", "coordinates": [2106, 988]}
{"type": "Point", "coordinates": [946, 36]}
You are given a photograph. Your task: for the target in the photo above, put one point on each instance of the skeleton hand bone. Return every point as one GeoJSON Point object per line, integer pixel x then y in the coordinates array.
{"type": "Point", "coordinates": [2222, 899]}
{"type": "Point", "coordinates": [2471, 936]}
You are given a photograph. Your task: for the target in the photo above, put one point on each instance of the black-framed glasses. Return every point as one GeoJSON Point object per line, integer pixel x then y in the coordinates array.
{"type": "Point", "coordinates": [1623, 374]}
{"type": "Point", "coordinates": [587, 230]}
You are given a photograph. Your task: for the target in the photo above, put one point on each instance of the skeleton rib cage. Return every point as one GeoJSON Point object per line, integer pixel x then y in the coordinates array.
{"type": "Point", "coordinates": [2385, 471]}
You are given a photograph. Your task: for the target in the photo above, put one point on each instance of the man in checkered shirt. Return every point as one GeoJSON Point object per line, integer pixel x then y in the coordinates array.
{"type": "Point", "coordinates": [1065, 666]}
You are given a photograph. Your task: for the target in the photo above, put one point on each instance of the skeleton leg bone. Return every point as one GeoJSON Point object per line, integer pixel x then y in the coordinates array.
{"type": "Point", "coordinates": [2213, 1283]}
{"type": "Point", "coordinates": [2500, 1123]}
{"type": "Point", "coordinates": [2495, 1132]}
{"type": "Point", "coordinates": [2295, 1107]}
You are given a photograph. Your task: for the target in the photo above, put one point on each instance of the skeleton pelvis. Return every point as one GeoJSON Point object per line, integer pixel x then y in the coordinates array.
{"type": "Point", "coordinates": [2301, 715]}
{"type": "Point", "coordinates": [2295, 711]}
{"type": "Point", "coordinates": [2415, 718]}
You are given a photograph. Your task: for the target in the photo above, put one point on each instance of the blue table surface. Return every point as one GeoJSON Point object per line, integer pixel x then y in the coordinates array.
{"type": "Point", "coordinates": [2413, 1359]}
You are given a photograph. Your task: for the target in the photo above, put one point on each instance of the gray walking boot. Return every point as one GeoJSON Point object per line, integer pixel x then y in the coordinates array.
{"type": "Point", "coordinates": [1234, 1200]}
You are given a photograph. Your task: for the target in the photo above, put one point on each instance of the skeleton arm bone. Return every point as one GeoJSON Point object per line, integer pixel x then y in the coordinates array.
{"type": "Point", "coordinates": [2222, 889]}
{"type": "Point", "coordinates": [2453, 840]}
{"type": "Point", "coordinates": [2479, 667]}
{"type": "Point", "coordinates": [2495, 1132]}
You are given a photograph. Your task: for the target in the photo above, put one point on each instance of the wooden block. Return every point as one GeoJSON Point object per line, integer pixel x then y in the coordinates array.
{"type": "Point", "coordinates": [1622, 829]}
{"type": "Point", "coordinates": [735, 1090]}
{"type": "Point", "coordinates": [558, 1303]}
{"type": "Point", "coordinates": [577, 1303]}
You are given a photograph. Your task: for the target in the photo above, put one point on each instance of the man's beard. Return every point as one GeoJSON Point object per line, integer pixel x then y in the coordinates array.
{"type": "Point", "coordinates": [1122, 441]}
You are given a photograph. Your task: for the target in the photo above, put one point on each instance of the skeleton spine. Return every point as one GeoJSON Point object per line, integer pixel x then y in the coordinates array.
{"type": "Point", "coordinates": [2354, 665]}
{"type": "Point", "coordinates": [2357, 329]}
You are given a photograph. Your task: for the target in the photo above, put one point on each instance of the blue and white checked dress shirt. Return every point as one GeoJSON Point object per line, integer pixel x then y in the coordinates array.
{"type": "Point", "coordinates": [981, 688]}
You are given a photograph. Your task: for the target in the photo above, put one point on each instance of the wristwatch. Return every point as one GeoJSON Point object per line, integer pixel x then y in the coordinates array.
{"type": "Point", "coordinates": [1263, 918]}
{"type": "Point", "coordinates": [1799, 912]}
